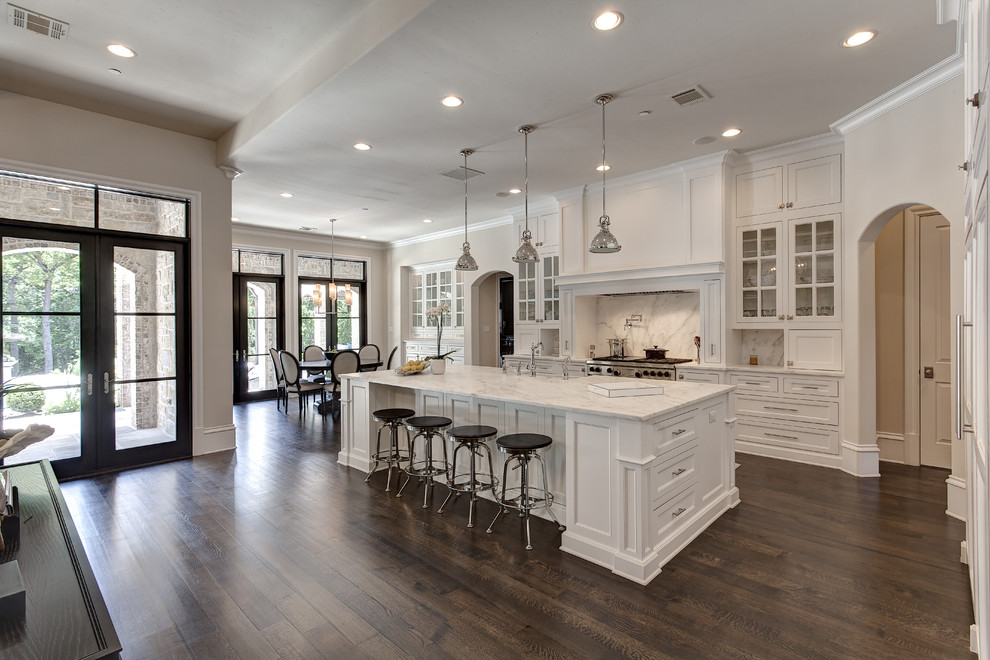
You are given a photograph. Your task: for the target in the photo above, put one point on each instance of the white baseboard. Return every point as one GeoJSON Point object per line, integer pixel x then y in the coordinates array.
{"type": "Point", "coordinates": [891, 447]}
{"type": "Point", "coordinates": [214, 439]}
{"type": "Point", "coordinates": [955, 491]}
{"type": "Point", "coordinates": [860, 460]}
{"type": "Point", "coordinates": [963, 552]}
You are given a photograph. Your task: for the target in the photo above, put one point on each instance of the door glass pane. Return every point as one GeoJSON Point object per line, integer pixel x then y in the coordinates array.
{"type": "Point", "coordinates": [749, 303]}
{"type": "Point", "coordinates": [144, 346]}
{"type": "Point", "coordinates": [262, 331]}
{"type": "Point", "coordinates": [54, 202]}
{"type": "Point", "coordinates": [825, 232]}
{"type": "Point", "coordinates": [826, 301]}
{"type": "Point", "coordinates": [144, 413]}
{"type": "Point", "coordinates": [749, 274]}
{"type": "Point", "coordinates": [749, 244]}
{"type": "Point", "coordinates": [768, 272]}
{"type": "Point", "coordinates": [145, 215]}
{"type": "Point", "coordinates": [826, 269]}
{"type": "Point", "coordinates": [768, 242]}
{"type": "Point", "coordinates": [802, 269]}
{"type": "Point", "coordinates": [802, 238]}
{"type": "Point", "coordinates": [41, 345]}
{"type": "Point", "coordinates": [803, 303]}
{"type": "Point", "coordinates": [768, 299]}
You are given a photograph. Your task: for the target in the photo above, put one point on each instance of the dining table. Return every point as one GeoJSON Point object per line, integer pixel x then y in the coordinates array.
{"type": "Point", "coordinates": [323, 367]}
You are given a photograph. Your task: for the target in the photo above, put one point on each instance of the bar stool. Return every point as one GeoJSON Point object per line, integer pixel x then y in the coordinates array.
{"type": "Point", "coordinates": [390, 418]}
{"type": "Point", "coordinates": [426, 468]}
{"type": "Point", "coordinates": [521, 449]}
{"type": "Point", "coordinates": [473, 438]}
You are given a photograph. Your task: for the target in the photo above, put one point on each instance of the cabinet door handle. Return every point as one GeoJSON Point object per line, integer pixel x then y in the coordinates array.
{"type": "Point", "coordinates": [712, 349]}
{"type": "Point", "coordinates": [780, 318]}
{"type": "Point", "coordinates": [777, 435]}
{"type": "Point", "coordinates": [960, 325]}
{"type": "Point", "coordinates": [679, 432]}
{"type": "Point", "coordinates": [780, 206]}
{"type": "Point", "coordinates": [750, 382]}
{"type": "Point", "coordinates": [678, 472]}
{"type": "Point", "coordinates": [89, 383]}
{"type": "Point", "coordinates": [808, 387]}
{"type": "Point", "coordinates": [790, 205]}
{"type": "Point", "coordinates": [679, 512]}
{"type": "Point", "coordinates": [782, 409]}
{"type": "Point", "coordinates": [790, 317]}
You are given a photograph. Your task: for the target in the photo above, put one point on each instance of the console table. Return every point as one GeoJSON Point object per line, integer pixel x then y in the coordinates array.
{"type": "Point", "coordinates": [65, 615]}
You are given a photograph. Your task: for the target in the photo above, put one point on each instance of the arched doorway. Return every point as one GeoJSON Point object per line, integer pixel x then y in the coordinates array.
{"type": "Point", "coordinates": [491, 318]}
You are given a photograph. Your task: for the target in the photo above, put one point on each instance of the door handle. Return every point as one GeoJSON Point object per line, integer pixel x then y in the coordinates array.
{"type": "Point", "coordinates": [106, 382]}
{"type": "Point", "coordinates": [929, 372]}
{"type": "Point", "coordinates": [89, 384]}
{"type": "Point", "coordinates": [960, 374]}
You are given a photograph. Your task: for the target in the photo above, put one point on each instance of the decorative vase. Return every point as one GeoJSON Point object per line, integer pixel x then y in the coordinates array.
{"type": "Point", "coordinates": [438, 366]}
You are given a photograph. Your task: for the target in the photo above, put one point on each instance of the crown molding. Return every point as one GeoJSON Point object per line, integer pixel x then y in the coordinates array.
{"type": "Point", "coordinates": [925, 81]}
{"type": "Point", "coordinates": [447, 233]}
{"type": "Point", "coordinates": [302, 237]}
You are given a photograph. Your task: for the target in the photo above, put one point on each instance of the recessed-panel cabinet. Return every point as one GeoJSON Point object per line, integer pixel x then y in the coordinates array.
{"type": "Point", "coordinates": [801, 184]}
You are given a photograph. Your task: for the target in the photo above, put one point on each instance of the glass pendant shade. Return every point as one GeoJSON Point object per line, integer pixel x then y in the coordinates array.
{"type": "Point", "coordinates": [526, 254]}
{"type": "Point", "coordinates": [604, 241]}
{"type": "Point", "coordinates": [317, 296]}
{"type": "Point", "coordinates": [466, 261]}
{"type": "Point", "coordinates": [348, 296]}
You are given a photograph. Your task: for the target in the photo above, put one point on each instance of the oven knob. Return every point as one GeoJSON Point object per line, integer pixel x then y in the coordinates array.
{"type": "Point", "coordinates": [666, 374]}
{"type": "Point", "coordinates": [639, 375]}
{"type": "Point", "coordinates": [594, 368]}
{"type": "Point", "coordinates": [608, 370]}
{"type": "Point", "coordinates": [652, 373]}
{"type": "Point", "coordinates": [615, 372]}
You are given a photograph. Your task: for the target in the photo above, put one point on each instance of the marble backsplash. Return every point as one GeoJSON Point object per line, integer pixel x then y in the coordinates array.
{"type": "Point", "coordinates": [767, 345]}
{"type": "Point", "coordinates": [670, 320]}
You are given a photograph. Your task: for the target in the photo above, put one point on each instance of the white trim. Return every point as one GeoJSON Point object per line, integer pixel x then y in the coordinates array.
{"type": "Point", "coordinates": [683, 276]}
{"type": "Point", "coordinates": [787, 149]}
{"type": "Point", "coordinates": [860, 460]}
{"type": "Point", "coordinates": [458, 231]}
{"type": "Point", "coordinates": [956, 497]}
{"type": "Point", "coordinates": [301, 237]}
{"type": "Point", "coordinates": [214, 439]}
{"type": "Point", "coordinates": [891, 442]}
{"type": "Point", "coordinates": [922, 83]}
{"type": "Point", "coordinates": [912, 336]}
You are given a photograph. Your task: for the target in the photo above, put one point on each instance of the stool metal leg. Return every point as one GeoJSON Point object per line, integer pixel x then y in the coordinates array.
{"type": "Point", "coordinates": [524, 496]}
{"type": "Point", "coordinates": [547, 494]}
{"type": "Point", "coordinates": [378, 450]}
{"type": "Point", "coordinates": [451, 491]}
{"type": "Point", "coordinates": [501, 508]}
{"type": "Point", "coordinates": [412, 458]}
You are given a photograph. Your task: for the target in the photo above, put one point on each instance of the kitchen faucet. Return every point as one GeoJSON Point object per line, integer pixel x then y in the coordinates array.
{"type": "Point", "coordinates": [567, 363]}
{"type": "Point", "coordinates": [532, 357]}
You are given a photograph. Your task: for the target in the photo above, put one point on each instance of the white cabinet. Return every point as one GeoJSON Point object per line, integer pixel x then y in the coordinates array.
{"type": "Point", "coordinates": [689, 375]}
{"type": "Point", "coordinates": [792, 277]}
{"type": "Point", "coordinates": [787, 415]}
{"type": "Point", "coordinates": [538, 304]}
{"type": "Point", "coordinates": [545, 230]}
{"type": "Point", "coordinates": [418, 350]}
{"type": "Point", "coordinates": [790, 186]}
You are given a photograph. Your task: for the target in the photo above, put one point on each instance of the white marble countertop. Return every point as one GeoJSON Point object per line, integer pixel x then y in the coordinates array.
{"type": "Point", "coordinates": [550, 392]}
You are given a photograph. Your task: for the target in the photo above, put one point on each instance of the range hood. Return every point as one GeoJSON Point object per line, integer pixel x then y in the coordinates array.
{"type": "Point", "coordinates": [639, 281]}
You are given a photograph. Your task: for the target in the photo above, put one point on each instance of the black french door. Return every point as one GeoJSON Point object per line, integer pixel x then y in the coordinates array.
{"type": "Point", "coordinates": [259, 313]}
{"type": "Point", "coordinates": [95, 346]}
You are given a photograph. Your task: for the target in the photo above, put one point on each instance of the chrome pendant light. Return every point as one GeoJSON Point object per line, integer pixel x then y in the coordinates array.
{"type": "Point", "coordinates": [604, 242]}
{"type": "Point", "coordinates": [332, 287]}
{"type": "Point", "coordinates": [526, 254]}
{"type": "Point", "coordinates": [466, 261]}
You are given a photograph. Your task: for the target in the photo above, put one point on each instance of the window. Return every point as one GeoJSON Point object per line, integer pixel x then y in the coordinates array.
{"type": "Point", "coordinates": [430, 286]}
{"type": "Point", "coordinates": [323, 322]}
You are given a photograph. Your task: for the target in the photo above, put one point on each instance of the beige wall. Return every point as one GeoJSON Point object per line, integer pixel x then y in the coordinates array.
{"type": "Point", "coordinates": [889, 286]}
{"type": "Point", "coordinates": [58, 140]}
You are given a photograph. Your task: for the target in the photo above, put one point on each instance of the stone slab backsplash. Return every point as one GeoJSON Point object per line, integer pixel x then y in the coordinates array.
{"type": "Point", "coordinates": [767, 345]}
{"type": "Point", "coordinates": [670, 320]}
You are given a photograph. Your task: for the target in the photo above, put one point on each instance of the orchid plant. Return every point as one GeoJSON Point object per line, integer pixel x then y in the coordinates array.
{"type": "Point", "coordinates": [435, 315]}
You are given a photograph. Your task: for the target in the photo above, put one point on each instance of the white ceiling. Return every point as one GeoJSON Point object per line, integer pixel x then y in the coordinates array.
{"type": "Point", "coordinates": [288, 87]}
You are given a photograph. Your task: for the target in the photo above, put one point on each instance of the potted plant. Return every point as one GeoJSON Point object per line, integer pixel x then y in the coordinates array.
{"type": "Point", "coordinates": [438, 362]}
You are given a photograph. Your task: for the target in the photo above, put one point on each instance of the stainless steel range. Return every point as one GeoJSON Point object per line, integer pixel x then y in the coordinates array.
{"type": "Point", "coordinates": [636, 367]}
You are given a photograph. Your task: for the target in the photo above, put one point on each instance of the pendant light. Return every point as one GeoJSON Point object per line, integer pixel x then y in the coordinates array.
{"type": "Point", "coordinates": [604, 242]}
{"type": "Point", "coordinates": [332, 287]}
{"type": "Point", "coordinates": [526, 254]}
{"type": "Point", "coordinates": [466, 261]}
{"type": "Point", "coordinates": [348, 296]}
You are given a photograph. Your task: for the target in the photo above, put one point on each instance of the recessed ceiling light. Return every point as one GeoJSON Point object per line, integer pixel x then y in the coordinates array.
{"type": "Point", "coordinates": [115, 72]}
{"type": "Point", "coordinates": [645, 113]}
{"type": "Point", "coordinates": [120, 50]}
{"type": "Point", "coordinates": [604, 168]}
{"type": "Point", "coordinates": [362, 146]}
{"type": "Point", "coordinates": [286, 195]}
{"type": "Point", "coordinates": [608, 20]}
{"type": "Point", "coordinates": [427, 220]}
{"type": "Point", "coordinates": [364, 236]}
{"type": "Point", "coordinates": [859, 38]}
{"type": "Point", "coordinates": [451, 101]}
{"type": "Point", "coordinates": [731, 132]}
{"type": "Point", "coordinates": [514, 191]}
{"type": "Point", "coordinates": [232, 219]}
{"type": "Point", "coordinates": [704, 139]}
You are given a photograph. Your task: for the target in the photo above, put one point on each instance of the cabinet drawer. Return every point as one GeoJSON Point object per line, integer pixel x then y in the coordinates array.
{"type": "Point", "coordinates": [819, 412]}
{"type": "Point", "coordinates": [820, 440]}
{"type": "Point", "coordinates": [697, 377]}
{"type": "Point", "coordinates": [671, 434]}
{"type": "Point", "coordinates": [810, 386]}
{"type": "Point", "coordinates": [671, 475]}
{"type": "Point", "coordinates": [674, 513]}
{"type": "Point", "coordinates": [755, 383]}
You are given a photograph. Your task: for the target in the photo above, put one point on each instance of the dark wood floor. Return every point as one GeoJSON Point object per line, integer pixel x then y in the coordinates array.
{"type": "Point", "coordinates": [276, 551]}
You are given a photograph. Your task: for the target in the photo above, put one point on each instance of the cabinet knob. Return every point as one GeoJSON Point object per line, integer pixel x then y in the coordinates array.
{"type": "Point", "coordinates": [790, 317]}
{"type": "Point", "coordinates": [790, 205]}
{"type": "Point", "coordinates": [974, 101]}
{"type": "Point", "coordinates": [780, 318]}
{"type": "Point", "coordinates": [780, 206]}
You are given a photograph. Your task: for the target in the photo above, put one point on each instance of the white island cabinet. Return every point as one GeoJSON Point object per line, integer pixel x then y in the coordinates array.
{"type": "Point", "coordinates": [635, 479]}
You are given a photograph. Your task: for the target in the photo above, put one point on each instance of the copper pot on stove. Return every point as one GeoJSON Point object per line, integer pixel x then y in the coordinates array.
{"type": "Point", "coordinates": [655, 353]}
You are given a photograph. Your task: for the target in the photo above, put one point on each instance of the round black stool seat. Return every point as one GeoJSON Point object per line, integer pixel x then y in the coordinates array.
{"type": "Point", "coordinates": [471, 432]}
{"type": "Point", "coordinates": [518, 443]}
{"type": "Point", "coordinates": [424, 422]}
{"type": "Point", "coordinates": [392, 414]}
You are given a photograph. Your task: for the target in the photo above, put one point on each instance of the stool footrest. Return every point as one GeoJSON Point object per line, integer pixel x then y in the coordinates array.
{"type": "Point", "coordinates": [464, 484]}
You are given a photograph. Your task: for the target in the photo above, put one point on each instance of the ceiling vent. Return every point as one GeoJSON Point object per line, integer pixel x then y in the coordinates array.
{"type": "Point", "coordinates": [461, 173]}
{"type": "Point", "coordinates": [691, 96]}
{"type": "Point", "coordinates": [32, 21]}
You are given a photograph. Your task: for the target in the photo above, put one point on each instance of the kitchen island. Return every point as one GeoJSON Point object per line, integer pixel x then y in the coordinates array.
{"type": "Point", "coordinates": [635, 478]}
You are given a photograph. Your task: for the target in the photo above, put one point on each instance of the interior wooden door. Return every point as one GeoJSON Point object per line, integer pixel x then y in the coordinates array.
{"type": "Point", "coordinates": [936, 343]}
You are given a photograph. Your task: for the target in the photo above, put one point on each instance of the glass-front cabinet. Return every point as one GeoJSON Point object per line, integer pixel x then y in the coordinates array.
{"type": "Point", "coordinates": [537, 295]}
{"type": "Point", "coordinates": [791, 281]}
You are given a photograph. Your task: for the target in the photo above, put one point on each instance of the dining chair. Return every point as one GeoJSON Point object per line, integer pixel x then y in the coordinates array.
{"type": "Point", "coordinates": [369, 354]}
{"type": "Point", "coordinates": [314, 353]}
{"type": "Point", "coordinates": [294, 383]}
{"type": "Point", "coordinates": [388, 366]}
{"type": "Point", "coordinates": [344, 362]}
{"type": "Point", "coordinates": [279, 380]}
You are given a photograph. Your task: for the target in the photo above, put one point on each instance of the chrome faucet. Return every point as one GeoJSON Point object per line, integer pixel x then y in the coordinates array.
{"type": "Point", "coordinates": [567, 363]}
{"type": "Point", "coordinates": [532, 357]}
